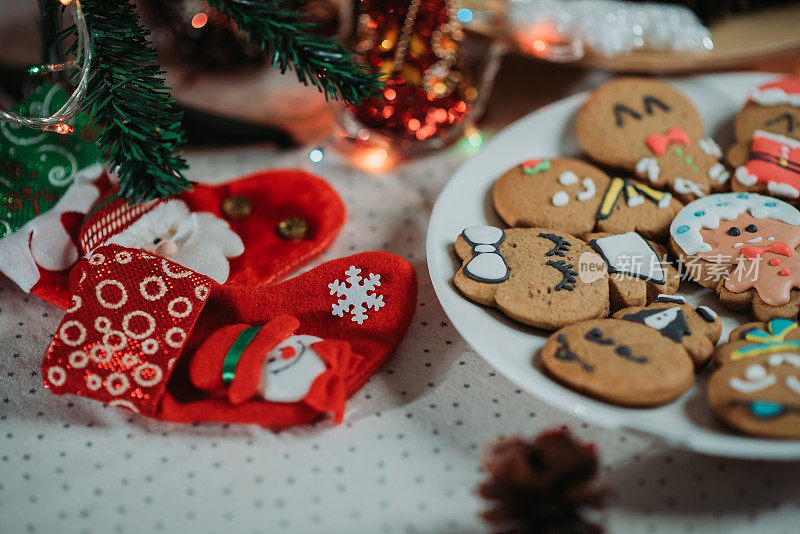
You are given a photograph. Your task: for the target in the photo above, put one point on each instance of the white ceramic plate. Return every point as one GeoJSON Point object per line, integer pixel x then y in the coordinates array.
{"type": "Point", "coordinates": [510, 347]}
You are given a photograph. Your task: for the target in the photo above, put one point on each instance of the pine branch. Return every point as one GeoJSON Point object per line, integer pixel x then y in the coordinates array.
{"type": "Point", "coordinates": [128, 98]}
{"type": "Point", "coordinates": [285, 35]}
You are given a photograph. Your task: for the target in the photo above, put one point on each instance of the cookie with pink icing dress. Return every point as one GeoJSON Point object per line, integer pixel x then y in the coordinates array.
{"type": "Point", "coordinates": [651, 129]}
{"type": "Point", "coordinates": [766, 155]}
{"type": "Point", "coordinates": [744, 246]}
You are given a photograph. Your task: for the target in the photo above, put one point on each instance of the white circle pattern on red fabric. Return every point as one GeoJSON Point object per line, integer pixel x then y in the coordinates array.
{"type": "Point", "coordinates": [78, 359]}
{"type": "Point", "coordinates": [107, 353]}
{"type": "Point", "coordinates": [62, 332]}
{"type": "Point", "coordinates": [97, 259]}
{"type": "Point", "coordinates": [129, 360]}
{"type": "Point", "coordinates": [145, 382]}
{"type": "Point", "coordinates": [140, 335]}
{"type": "Point", "coordinates": [173, 274]}
{"type": "Point", "coordinates": [124, 404]}
{"type": "Point", "coordinates": [103, 302]}
{"type": "Point", "coordinates": [121, 343]}
{"type": "Point", "coordinates": [117, 383]}
{"type": "Point", "coordinates": [162, 288]}
{"type": "Point", "coordinates": [149, 346]}
{"type": "Point", "coordinates": [76, 304]}
{"type": "Point", "coordinates": [171, 332]}
{"type": "Point", "coordinates": [123, 257]}
{"type": "Point", "coordinates": [170, 363]}
{"type": "Point", "coordinates": [102, 324]}
{"type": "Point", "coordinates": [93, 382]}
{"type": "Point", "coordinates": [57, 375]}
{"type": "Point", "coordinates": [201, 292]}
{"type": "Point", "coordinates": [177, 314]}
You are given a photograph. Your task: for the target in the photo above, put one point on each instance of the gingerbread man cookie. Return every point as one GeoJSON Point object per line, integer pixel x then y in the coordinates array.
{"type": "Point", "coordinates": [643, 356]}
{"type": "Point", "coordinates": [649, 128]}
{"type": "Point", "coordinates": [766, 155]}
{"type": "Point", "coordinates": [544, 278]}
{"type": "Point", "coordinates": [756, 389]}
{"type": "Point", "coordinates": [572, 196]}
{"type": "Point", "coordinates": [743, 245]}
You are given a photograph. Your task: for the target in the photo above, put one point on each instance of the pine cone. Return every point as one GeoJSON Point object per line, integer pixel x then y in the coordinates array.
{"type": "Point", "coordinates": [539, 487]}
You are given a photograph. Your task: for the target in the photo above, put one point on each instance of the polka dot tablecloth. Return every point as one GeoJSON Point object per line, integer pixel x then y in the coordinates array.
{"type": "Point", "coordinates": [405, 460]}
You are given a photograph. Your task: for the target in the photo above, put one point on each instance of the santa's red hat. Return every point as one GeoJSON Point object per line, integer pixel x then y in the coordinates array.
{"type": "Point", "coordinates": [146, 334]}
{"type": "Point", "coordinates": [785, 91]}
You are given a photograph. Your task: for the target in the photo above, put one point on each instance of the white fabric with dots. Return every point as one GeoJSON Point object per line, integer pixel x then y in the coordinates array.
{"type": "Point", "coordinates": [405, 460]}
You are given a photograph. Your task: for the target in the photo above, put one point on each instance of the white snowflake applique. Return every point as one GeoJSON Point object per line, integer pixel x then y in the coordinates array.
{"type": "Point", "coordinates": [357, 295]}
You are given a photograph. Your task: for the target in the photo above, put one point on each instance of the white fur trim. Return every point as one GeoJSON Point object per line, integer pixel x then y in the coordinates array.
{"type": "Point", "coordinates": [205, 241]}
{"type": "Point", "coordinates": [774, 96]}
{"type": "Point", "coordinates": [43, 240]}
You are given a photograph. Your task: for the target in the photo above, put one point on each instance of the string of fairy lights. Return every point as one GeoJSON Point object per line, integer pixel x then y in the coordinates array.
{"type": "Point", "coordinates": [57, 122]}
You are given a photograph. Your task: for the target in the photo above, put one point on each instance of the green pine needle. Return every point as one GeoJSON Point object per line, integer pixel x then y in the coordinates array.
{"type": "Point", "coordinates": [127, 97]}
{"type": "Point", "coordinates": [285, 35]}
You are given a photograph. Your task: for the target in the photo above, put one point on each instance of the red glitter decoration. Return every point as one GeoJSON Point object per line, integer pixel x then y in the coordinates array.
{"type": "Point", "coordinates": [427, 92]}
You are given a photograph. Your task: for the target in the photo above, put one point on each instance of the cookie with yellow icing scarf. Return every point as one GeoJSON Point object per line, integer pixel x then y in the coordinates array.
{"type": "Point", "coordinates": [649, 128]}
{"type": "Point", "coordinates": [746, 247]}
{"type": "Point", "coordinates": [575, 197]}
{"type": "Point", "coordinates": [756, 388]}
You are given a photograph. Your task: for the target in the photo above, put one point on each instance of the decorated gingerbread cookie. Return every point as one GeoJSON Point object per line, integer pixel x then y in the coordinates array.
{"type": "Point", "coordinates": [644, 356]}
{"type": "Point", "coordinates": [549, 279]}
{"type": "Point", "coordinates": [572, 196]}
{"type": "Point", "coordinates": [649, 128]}
{"type": "Point", "coordinates": [743, 245]}
{"type": "Point", "coordinates": [756, 389]}
{"type": "Point", "coordinates": [766, 155]}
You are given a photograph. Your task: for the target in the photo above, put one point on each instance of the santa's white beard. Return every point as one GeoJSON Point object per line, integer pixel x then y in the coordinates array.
{"type": "Point", "coordinates": [204, 241]}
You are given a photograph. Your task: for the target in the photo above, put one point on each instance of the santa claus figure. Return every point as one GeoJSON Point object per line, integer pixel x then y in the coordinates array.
{"type": "Point", "coordinates": [199, 241]}
{"type": "Point", "coordinates": [767, 153]}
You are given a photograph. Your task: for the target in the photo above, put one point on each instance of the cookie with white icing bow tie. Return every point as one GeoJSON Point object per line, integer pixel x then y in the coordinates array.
{"type": "Point", "coordinates": [756, 389]}
{"type": "Point", "coordinates": [651, 129]}
{"type": "Point", "coordinates": [643, 356]}
{"type": "Point", "coordinates": [573, 196]}
{"type": "Point", "coordinates": [745, 246]}
{"type": "Point", "coordinates": [548, 279]}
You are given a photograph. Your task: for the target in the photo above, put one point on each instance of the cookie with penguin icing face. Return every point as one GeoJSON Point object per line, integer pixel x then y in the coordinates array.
{"type": "Point", "coordinates": [548, 279]}
{"type": "Point", "coordinates": [643, 356]}
{"type": "Point", "coordinates": [756, 388]}
{"type": "Point", "coordinates": [651, 129]}
{"type": "Point", "coordinates": [575, 197]}
{"type": "Point", "coordinates": [745, 246]}
{"type": "Point", "coordinates": [766, 155]}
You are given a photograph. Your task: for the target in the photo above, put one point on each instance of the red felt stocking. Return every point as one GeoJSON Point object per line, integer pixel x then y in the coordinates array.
{"type": "Point", "coordinates": [149, 335]}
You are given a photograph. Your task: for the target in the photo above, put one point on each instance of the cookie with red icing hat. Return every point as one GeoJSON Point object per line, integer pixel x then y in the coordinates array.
{"type": "Point", "coordinates": [766, 155]}
{"type": "Point", "coordinates": [149, 335]}
{"type": "Point", "coordinates": [651, 129]}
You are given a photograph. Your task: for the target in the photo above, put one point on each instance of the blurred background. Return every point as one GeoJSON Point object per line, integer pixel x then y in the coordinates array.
{"type": "Point", "coordinates": [462, 69]}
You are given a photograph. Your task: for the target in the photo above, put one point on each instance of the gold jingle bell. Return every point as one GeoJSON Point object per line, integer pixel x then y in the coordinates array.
{"type": "Point", "coordinates": [292, 228]}
{"type": "Point", "coordinates": [236, 207]}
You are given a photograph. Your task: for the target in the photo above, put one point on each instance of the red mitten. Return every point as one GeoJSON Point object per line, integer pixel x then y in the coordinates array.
{"type": "Point", "coordinates": [255, 206]}
{"type": "Point", "coordinates": [152, 336]}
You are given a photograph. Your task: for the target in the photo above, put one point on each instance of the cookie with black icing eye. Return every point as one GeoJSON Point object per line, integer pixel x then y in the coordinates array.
{"type": "Point", "coordinates": [651, 129]}
{"type": "Point", "coordinates": [756, 388]}
{"type": "Point", "coordinates": [643, 356]}
{"type": "Point", "coordinates": [544, 278]}
{"type": "Point", "coordinates": [746, 247]}
{"type": "Point", "coordinates": [766, 155]}
{"type": "Point", "coordinates": [573, 196]}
